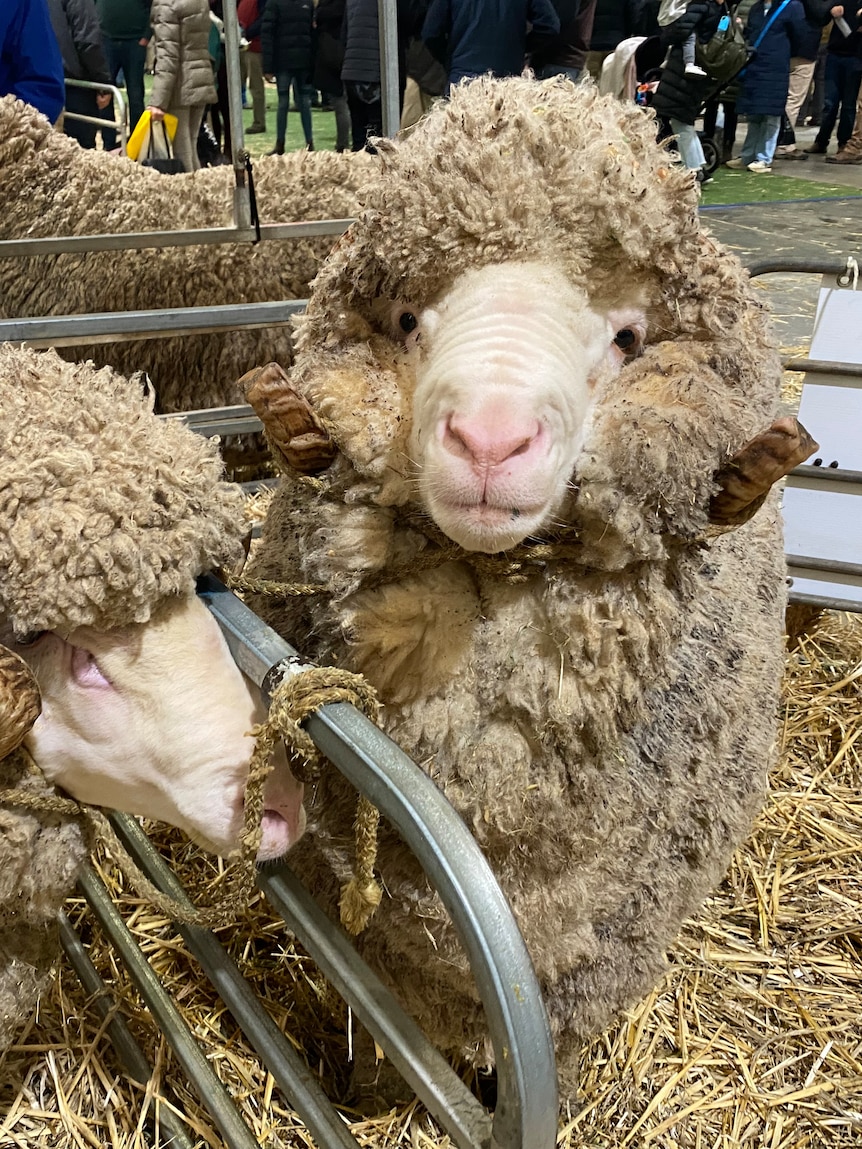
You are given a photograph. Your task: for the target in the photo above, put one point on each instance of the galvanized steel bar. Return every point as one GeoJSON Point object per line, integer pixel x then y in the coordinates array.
{"type": "Point", "coordinates": [824, 367]}
{"type": "Point", "coordinates": [198, 1070]}
{"type": "Point", "coordinates": [185, 237]}
{"type": "Point", "coordinates": [442, 1092]}
{"type": "Point", "coordinates": [159, 323]}
{"type": "Point", "coordinates": [129, 1052]}
{"type": "Point", "coordinates": [120, 123]}
{"type": "Point", "coordinates": [837, 265]}
{"type": "Point", "coordinates": [237, 420]}
{"type": "Point", "coordinates": [527, 1098]}
{"type": "Point", "coordinates": [836, 480]}
{"type": "Point", "coordinates": [241, 202]}
{"type": "Point", "coordinates": [825, 602]}
{"type": "Point", "coordinates": [298, 1084]}
{"type": "Point", "coordinates": [390, 81]}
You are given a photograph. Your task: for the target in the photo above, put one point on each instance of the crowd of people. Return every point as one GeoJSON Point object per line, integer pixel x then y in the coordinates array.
{"type": "Point", "coordinates": [330, 49]}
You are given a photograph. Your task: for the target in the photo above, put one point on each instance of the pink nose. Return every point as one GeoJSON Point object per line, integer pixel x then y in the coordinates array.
{"type": "Point", "coordinates": [488, 443]}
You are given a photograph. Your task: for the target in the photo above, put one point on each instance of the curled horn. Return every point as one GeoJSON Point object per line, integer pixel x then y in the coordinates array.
{"type": "Point", "coordinates": [20, 701]}
{"type": "Point", "coordinates": [746, 479]}
{"type": "Point", "coordinates": [294, 431]}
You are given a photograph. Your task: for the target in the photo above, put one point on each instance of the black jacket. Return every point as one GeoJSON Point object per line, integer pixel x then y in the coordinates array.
{"type": "Point", "coordinates": [286, 37]}
{"type": "Point", "coordinates": [614, 21]}
{"type": "Point", "coordinates": [362, 42]}
{"type": "Point", "coordinates": [817, 15]}
{"type": "Point", "coordinates": [76, 26]}
{"type": "Point", "coordinates": [329, 52]}
{"type": "Point", "coordinates": [679, 96]}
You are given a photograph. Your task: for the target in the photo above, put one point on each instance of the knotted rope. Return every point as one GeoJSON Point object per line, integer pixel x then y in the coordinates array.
{"type": "Point", "coordinates": [292, 701]}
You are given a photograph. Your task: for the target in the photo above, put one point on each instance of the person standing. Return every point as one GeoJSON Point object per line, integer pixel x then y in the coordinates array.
{"type": "Point", "coordinates": [817, 15]}
{"type": "Point", "coordinates": [842, 79]}
{"type": "Point", "coordinates": [183, 84]}
{"type": "Point", "coordinates": [488, 35]}
{"type": "Point", "coordinates": [76, 27]}
{"type": "Point", "coordinates": [250, 14]}
{"type": "Point", "coordinates": [126, 32]}
{"type": "Point", "coordinates": [328, 58]}
{"type": "Point", "coordinates": [31, 66]}
{"type": "Point", "coordinates": [286, 36]}
{"type": "Point", "coordinates": [774, 30]}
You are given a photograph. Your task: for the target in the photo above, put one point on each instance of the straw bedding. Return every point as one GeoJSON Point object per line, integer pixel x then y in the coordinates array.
{"type": "Point", "coordinates": [752, 1039]}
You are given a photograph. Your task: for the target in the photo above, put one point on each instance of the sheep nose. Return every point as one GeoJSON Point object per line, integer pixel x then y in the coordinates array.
{"type": "Point", "coordinates": [488, 443]}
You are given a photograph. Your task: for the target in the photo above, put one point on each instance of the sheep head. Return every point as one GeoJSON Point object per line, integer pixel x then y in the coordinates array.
{"type": "Point", "coordinates": [527, 329]}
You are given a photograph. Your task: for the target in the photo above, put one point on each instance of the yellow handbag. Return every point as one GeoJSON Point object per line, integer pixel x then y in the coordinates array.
{"type": "Point", "coordinates": [142, 128]}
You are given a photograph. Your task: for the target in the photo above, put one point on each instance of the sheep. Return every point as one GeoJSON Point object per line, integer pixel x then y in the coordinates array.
{"type": "Point", "coordinates": [53, 187]}
{"type": "Point", "coordinates": [547, 536]}
{"type": "Point", "coordinates": [107, 515]}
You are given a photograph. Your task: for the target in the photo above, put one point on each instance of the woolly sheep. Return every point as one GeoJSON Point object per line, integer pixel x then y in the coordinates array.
{"type": "Point", "coordinates": [107, 515]}
{"type": "Point", "coordinates": [534, 364]}
{"type": "Point", "coordinates": [53, 187]}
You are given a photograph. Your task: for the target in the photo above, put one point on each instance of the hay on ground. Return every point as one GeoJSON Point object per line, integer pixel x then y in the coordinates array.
{"type": "Point", "coordinates": [752, 1039]}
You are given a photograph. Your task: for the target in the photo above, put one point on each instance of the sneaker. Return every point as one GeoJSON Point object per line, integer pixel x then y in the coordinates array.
{"type": "Point", "coordinates": [694, 70]}
{"type": "Point", "coordinates": [760, 168]}
{"type": "Point", "coordinates": [736, 164]}
{"type": "Point", "coordinates": [816, 149]}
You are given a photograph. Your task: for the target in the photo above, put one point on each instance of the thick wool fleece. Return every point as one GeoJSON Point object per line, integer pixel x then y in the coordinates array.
{"type": "Point", "coordinates": [50, 187]}
{"type": "Point", "coordinates": [604, 727]}
{"type": "Point", "coordinates": [104, 509]}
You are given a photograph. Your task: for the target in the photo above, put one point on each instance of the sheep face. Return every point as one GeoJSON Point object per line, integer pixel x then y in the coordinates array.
{"type": "Point", "coordinates": [154, 719]}
{"type": "Point", "coordinates": [508, 366]}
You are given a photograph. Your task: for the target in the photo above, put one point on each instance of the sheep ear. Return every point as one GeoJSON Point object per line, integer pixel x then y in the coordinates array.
{"type": "Point", "coordinates": [20, 701]}
{"type": "Point", "coordinates": [291, 426]}
{"type": "Point", "coordinates": [746, 479]}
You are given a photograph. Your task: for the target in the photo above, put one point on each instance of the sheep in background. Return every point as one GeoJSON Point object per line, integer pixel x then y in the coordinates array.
{"type": "Point", "coordinates": [553, 398]}
{"type": "Point", "coordinates": [107, 516]}
{"type": "Point", "coordinates": [52, 187]}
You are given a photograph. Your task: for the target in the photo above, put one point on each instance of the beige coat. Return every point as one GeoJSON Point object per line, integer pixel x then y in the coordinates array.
{"type": "Point", "coordinates": [184, 74]}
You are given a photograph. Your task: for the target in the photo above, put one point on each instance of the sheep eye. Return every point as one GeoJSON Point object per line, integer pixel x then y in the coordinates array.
{"type": "Point", "coordinates": [626, 340]}
{"type": "Point", "coordinates": [408, 322]}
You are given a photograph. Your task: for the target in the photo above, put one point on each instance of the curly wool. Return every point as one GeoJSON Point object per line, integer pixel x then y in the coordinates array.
{"type": "Point", "coordinates": [605, 726]}
{"type": "Point", "coordinates": [53, 187]}
{"type": "Point", "coordinates": [104, 509]}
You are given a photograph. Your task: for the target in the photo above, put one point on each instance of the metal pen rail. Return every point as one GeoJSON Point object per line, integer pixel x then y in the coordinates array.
{"type": "Point", "coordinates": [526, 1114]}
{"type": "Point", "coordinates": [120, 124]}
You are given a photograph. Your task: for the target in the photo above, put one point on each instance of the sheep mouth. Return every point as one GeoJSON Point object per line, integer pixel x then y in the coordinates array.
{"type": "Point", "coordinates": [278, 835]}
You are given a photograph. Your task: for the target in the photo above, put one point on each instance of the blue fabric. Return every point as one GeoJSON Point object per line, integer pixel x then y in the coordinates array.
{"type": "Point", "coordinates": [760, 139]}
{"type": "Point", "coordinates": [487, 36]}
{"type": "Point", "coordinates": [766, 80]}
{"type": "Point", "coordinates": [30, 63]}
{"type": "Point", "coordinates": [128, 57]}
{"type": "Point", "coordinates": [302, 95]}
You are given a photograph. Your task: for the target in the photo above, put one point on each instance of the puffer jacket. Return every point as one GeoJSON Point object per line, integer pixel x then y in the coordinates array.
{"type": "Point", "coordinates": [286, 37]}
{"type": "Point", "coordinates": [767, 75]}
{"type": "Point", "coordinates": [678, 96]}
{"type": "Point", "coordinates": [184, 74]}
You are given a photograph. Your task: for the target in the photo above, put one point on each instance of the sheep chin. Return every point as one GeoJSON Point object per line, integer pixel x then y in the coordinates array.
{"type": "Point", "coordinates": [486, 528]}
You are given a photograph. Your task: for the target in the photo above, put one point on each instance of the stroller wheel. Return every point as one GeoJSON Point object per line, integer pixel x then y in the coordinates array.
{"type": "Point", "coordinates": [711, 154]}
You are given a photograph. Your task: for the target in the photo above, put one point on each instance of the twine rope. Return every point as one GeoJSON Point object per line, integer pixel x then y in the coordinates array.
{"type": "Point", "coordinates": [292, 701]}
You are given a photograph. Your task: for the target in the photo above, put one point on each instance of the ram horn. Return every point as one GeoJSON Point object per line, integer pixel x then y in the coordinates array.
{"type": "Point", "coordinates": [746, 479]}
{"type": "Point", "coordinates": [292, 428]}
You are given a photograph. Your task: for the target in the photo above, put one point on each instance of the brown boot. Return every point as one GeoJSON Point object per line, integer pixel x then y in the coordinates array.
{"type": "Point", "coordinates": [845, 156]}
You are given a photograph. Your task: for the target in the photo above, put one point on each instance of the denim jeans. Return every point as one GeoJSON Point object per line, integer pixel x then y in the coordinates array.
{"type": "Point", "coordinates": [688, 144]}
{"type": "Point", "coordinates": [760, 139]}
{"type": "Point", "coordinates": [302, 96]}
{"type": "Point", "coordinates": [128, 57]}
{"type": "Point", "coordinates": [843, 74]}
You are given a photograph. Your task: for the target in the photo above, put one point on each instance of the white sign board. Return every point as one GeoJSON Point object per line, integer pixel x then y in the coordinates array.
{"type": "Point", "coordinates": [827, 523]}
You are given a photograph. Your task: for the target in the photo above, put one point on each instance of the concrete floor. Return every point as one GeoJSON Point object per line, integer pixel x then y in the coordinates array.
{"type": "Point", "coordinates": [797, 229]}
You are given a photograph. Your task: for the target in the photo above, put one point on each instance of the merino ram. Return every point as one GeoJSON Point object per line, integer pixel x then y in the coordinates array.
{"type": "Point", "coordinates": [552, 399]}
{"type": "Point", "coordinates": [107, 515]}
{"type": "Point", "coordinates": [50, 186]}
